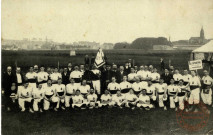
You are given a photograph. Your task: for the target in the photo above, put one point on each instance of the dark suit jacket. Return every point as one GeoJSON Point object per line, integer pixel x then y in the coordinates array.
{"type": "Point", "coordinates": [120, 76]}
{"type": "Point", "coordinates": [7, 81]}
{"type": "Point", "coordinates": [65, 78]}
{"type": "Point", "coordinates": [15, 78]}
{"type": "Point", "coordinates": [107, 75]}
{"type": "Point", "coordinates": [86, 61]}
{"type": "Point", "coordinates": [166, 78]}
{"type": "Point", "coordinates": [127, 70]}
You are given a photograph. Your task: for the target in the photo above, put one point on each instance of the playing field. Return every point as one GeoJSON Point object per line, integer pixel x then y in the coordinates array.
{"type": "Point", "coordinates": [24, 59]}
{"type": "Point", "coordinates": [96, 121]}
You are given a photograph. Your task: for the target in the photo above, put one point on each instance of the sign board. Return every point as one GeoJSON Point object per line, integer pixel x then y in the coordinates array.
{"type": "Point", "coordinates": [72, 53]}
{"type": "Point", "coordinates": [195, 64]}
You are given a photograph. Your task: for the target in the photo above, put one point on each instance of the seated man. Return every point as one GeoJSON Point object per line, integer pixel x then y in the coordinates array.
{"type": "Point", "coordinates": [131, 99]}
{"type": "Point", "coordinates": [137, 86]}
{"type": "Point", "coordinates": [38, 96]}
{"type": "Point", "coordinates": [118, 99]}
{"type": "Point", "coordinates": [144, 101]}
{"type": "Point", "coordinates": [125, 86]}
{"type": "Point", "coordinates": [70, 91]}
{"type": "Point", "coordinates": [177, 77]}
{"type": "Point", "coordinates": [50, 97]}
{"type": "Point", "coordinates": [25, 97]}
{"type": "Point", "coordinates": [132, 75]}
{"type": "Point", "coordinates": [84, 89]}
{"type": "Point", "coordinates": [92, 99]}
{"type": "Point", "coordinates": [106, 99]}
{"type": "Point", "coordinates": [113, 87]}
{"type": "Point", "coordinates": [78, 101]}
{"type": "Point", "coordinates": [60, 93]}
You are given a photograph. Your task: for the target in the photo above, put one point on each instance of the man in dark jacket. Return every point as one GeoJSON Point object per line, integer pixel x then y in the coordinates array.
{"type": "Point", "coordinates": [120, 74]}
{"type": "Point", "coordinates": [106, 77]}
{"type": "Point", "coordinates": [86, 60]}
{"type": "Point", "coordinates": [65, 76]}
{"type": "Point", "coordinates": [87, 76]}
{"type": "Point", "coordinates": [166, 76]}
{"type": "Point", "coordinates": [7, 80]}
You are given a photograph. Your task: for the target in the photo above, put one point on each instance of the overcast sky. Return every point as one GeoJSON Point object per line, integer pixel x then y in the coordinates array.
{"type": "Point", "coordinates": [105, 20]}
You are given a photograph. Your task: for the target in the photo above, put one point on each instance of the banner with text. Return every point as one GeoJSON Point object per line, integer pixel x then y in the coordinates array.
{"type": "Point", "coordinates": [195, 64]}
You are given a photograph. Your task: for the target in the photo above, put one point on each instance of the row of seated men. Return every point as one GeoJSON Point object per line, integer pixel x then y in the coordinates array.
{"type": "Point", "coordinates": [143, 94]}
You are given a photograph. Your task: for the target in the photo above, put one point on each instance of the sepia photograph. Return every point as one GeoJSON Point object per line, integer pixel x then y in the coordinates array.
{"type": "Point", "coordinates": [106, 67]}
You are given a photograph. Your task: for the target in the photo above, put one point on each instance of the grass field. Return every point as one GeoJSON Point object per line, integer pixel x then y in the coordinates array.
{"type": "Point", "coordinates": [98, 121]}
{"type": "Point", "coordinates": [25, 59]}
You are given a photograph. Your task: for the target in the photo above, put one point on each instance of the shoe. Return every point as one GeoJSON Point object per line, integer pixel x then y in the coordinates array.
{"type": "Point", "coordinates": [176, 109]}
{"type": "Point", "coordinates": [133, 108]}
{"type": "Point", "coordinates": [22, 110]}
{"type": "Point", "coordinates": [55, 109]}
{"type": "Point", "coordinates": [31, 111]}
{"type": "Point", "coordinates": [164, 108]}
{"type": "Point", "coordinates": [187, 110]}
{"type": "Point", "coordinates": [41, 110]}
{"type": "Point", "coordinates": [62, 108]}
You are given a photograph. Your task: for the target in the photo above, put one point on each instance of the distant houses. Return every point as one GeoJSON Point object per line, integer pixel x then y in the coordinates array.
{"type": "Point", "coordinates": [39, 44]}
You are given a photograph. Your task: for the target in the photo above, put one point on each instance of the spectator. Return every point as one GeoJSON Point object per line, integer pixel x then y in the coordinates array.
{"type": "Point", "coordinates": [7, 81]}
{"type": "Point", "coordinates": [166, 76]}
{"type": "Point", "coordinates": [86, 60]}
{"type": "Point", "coordinates": [162, 64]}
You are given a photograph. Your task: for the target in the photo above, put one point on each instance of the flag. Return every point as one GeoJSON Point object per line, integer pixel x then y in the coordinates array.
{"type": "Point", "coordinates": [99, 60]}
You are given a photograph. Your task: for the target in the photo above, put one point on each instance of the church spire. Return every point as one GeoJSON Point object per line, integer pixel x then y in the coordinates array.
{"type": "Point", "coordinates": [202, 33]}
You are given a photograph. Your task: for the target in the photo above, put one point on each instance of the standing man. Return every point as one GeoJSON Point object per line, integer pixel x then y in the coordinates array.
{"type": "Point", "coordinates": [166, 76]}
{"type": "Point", "coordinates": [76, 75]}
{"type": "Point", "coordinates": [69, 67]}
{"type": "Point", "coordinates": [31, 77]}
{"type": "Point", "coordinates": [7, 81]}
{"type": "Point", "coordinates": [87, 75]}
{"type": "Point", "coordinates": [19, 78]}
{"type": "Point", "coordinates": [65, 76]}
{"type": "Point", "coordinates": [42, 77]}
{"type": "Point", "coordinates": [120, 74]}
{"type": "Point", "coordinates": [206, 93]}
{"type": "Point", "coordinates": [96, 83]}
{"type": "Point", "coordinates": [127, 68]}
{"type": "Point", "coordinates": [86, 60]}
{"type": "Point", "coordinates": [55, 76]}
{"type": "Point", "coordinates": [162, 64]}
{"type": "Point", "coordinates": [194, 97]}
{"type": "Point", "coordinates": [107, 75]}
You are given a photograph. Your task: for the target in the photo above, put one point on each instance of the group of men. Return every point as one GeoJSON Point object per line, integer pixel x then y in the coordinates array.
{"type": "Point", "coordinates": [109, 86]}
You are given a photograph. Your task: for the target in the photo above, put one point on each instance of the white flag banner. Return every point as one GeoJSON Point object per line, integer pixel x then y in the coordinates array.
{"type": "Point", "coordinates": [99, 60]}
{"type": "Point", "coordinates": [195, 64]}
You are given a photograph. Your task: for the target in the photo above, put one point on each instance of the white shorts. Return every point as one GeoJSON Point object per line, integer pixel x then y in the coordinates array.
{"type": "Point", "coordinates": [194, 96]}
{"type": "Point", "coordinates": [207, 98]}
{"type": "Point", "coordinates": [97, 86]}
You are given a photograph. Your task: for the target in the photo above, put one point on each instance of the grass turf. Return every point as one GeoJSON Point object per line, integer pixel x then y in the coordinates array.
{"type": "Point", "coordinates": [96, 121]}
